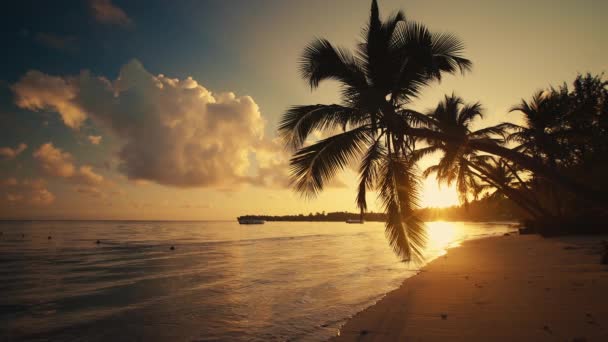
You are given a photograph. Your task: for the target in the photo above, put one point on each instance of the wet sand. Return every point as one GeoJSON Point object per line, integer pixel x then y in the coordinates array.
{"type": "Point", "coordinates": [506, 288]}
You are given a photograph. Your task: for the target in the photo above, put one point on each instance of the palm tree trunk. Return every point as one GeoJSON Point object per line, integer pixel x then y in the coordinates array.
{"type": "Point", "coordinates": [534, 208]}
{"type": "Point", "coordinates": [510, 195]}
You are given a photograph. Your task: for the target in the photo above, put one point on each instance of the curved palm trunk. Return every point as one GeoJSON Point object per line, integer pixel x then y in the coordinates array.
{"type": "Point", "coordinates": [525, 203]}
{"type": "Point", "coordinates": [521, 159]}
{"type": "Point", "coordinates": [511, 196]}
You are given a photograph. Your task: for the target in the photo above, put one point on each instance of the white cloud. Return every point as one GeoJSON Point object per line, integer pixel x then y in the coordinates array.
{"type": "Point", "coordinates": [37, 91]}
{"type": "Point", "coordinates": [25, 192]}
{"type": "Point", "coordinates": [86, 175]}
{"type": "Point", "coordinates": [175, 132]}
{"type": "Point", "coordinates": [56, 163]}
{"type": "Point", "coordinates": [95, 139]}
{"type": "Point", "coordinates": [106, 12]}
{"type": "Point", "coordinates": [12, 153]}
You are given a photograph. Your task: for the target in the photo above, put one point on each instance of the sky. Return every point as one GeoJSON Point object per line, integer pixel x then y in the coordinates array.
{"type": "Point", "coordinates": [167, 110]}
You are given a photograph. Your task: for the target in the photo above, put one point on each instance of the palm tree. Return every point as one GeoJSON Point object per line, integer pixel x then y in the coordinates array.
{"type": "Point", "coordinates": [538, 137]}
{"type": "Point", "coordinates": [502, 179]}
{"type": "Point", "coordinates": [452, 117]}
{"type": "Point", "coordinates": [388, 70]}
{"type": "Point", "coordinates": [395, 61]}
{"type": "Point", "coordinates": [462, 164]}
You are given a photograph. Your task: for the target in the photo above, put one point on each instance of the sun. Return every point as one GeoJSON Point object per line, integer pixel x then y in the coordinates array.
{"type": "Point", "coordinates": [434, 195]}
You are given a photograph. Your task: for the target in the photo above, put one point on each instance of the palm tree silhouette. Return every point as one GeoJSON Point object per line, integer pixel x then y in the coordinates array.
{"type": "Point", "coordinates": [452, 117]}
{"type": "Point", "coordinates": [390, 67]}
{"type": "Point", "coordinates": [538, 137]}
{"type": "Point", "coordinates": [460, 163]}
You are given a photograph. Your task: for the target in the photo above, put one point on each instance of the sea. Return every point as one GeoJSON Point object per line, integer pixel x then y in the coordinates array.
{"type": "Point", "coordinates": [122, 281]}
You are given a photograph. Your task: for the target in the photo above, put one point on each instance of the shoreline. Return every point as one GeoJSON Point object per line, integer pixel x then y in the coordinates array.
{"type": "Point", "coordinates": [501, 288]}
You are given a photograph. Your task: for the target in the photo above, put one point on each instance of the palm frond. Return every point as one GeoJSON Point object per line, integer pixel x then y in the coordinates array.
{"type": "Point", "coordinates": [300, 121]}
{"type": "Point", "coordinates": [368, 171]}
{"type": "Point", "coordinates": [420, 153]}
{"type": "Point", "coordinates": [469, 112]}
{"type": "Point", "coordinates": [314, 165]}
{"type": "Point", "coordinates": [322, 61]}
{"type": "Point", "coordinates": [448, 52]}
{"type": "Point", "coordinates": [399, 194]}
{"type": "Point", "coordinates": [500, 129]}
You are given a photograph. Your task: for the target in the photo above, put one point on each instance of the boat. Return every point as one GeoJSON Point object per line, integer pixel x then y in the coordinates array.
{"type": "Point", "coordinates": [249, 220]}
{"type": "Point", "coordinates": [355, 221]}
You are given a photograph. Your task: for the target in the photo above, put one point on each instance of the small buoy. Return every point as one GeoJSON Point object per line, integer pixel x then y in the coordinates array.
{"type": "Point", "coordinates": [444, 316]}
{"type": "Point", "coordinates": [50, 237]}
{"type": "Point", "coordinates": [22, 235]}
{"type": "Point", "coordinates": [172, 248]}
{"type": "Point", "coordinates": [98, 242]}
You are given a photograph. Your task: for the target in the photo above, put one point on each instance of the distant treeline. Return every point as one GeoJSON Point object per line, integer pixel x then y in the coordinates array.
{"type": "Point", "coordinates": [487, 209]}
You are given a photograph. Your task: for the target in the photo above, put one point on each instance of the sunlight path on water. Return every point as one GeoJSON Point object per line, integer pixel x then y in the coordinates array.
{"type": "Point", "coordinates": [222, 281]}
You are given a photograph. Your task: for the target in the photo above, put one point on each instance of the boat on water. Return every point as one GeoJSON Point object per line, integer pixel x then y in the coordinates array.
{"type": "Point", "coordinates": [354, 221]}
{"type": "Point", "coordinates": [248, 220]}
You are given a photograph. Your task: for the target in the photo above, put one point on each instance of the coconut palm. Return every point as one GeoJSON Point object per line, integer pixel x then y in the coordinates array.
{"type": "Point", "coordinates": [499, 178]}
{"type": "Point", "coordinates": [538, 136]}
{"type": "Point", "coordinates": [453, 118]}
{"type": "Point", "coordinates": [396, 59]}
{"type": "Point", "coordinates": [462, 164]}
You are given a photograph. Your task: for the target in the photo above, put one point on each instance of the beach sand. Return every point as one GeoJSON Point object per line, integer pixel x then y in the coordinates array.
{"type": "Point", "coordinates": [509, 288]}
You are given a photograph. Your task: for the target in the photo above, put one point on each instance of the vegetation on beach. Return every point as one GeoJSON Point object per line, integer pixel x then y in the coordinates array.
{"type": "Point", "coordinates": [489, 208]}
{"type": "Point", "coordinates": [550, 166]}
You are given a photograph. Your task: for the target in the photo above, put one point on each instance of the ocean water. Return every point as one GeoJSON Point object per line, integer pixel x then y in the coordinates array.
{"type": "Point", "coordinates": [223, 282]}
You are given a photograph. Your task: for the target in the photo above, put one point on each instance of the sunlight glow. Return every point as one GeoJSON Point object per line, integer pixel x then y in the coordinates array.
{"type": "Point", "coordinates": [434, 195]}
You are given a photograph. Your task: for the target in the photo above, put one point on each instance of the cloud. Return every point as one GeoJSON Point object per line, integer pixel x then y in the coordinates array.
{"type": "Point", "coordinates": [37, 91]}
{"type": "Point", "coordinates": [175, 132]}
{"type": "Point", "coordinates": [56, 41]}
{"type": "Point", "coordinates": [86, 175]}
{"type": "Point", "coordinates": [11, 153]}
{"type": "Point", "coordinates": [56, 163]}
{"type": "Point", "coordinates": [106, 12]}
{"type": "Point", "coordinates": [27, 191]}
{"type": "Point", "coordinates": [95, 139]}
{"type": "Point", "coordinates": [90, 191]}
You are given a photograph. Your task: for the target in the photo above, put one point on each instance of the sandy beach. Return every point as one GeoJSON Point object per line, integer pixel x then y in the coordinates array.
{"type": "Point", "coordinates": [506, 288]}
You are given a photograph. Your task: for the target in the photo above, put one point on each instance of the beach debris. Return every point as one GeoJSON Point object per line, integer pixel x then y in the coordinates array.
{"type": "Point", "coordinates": [444, 316]}
{"type": "Point", "coordinates": [547, 329]}
{"type": "Point", "coordinates": [547, 289]}
{"type": "Point", "coordinates": [50, 237]}
{"type": "Point", "coordinates": [363, 332]}
{"type": "Point", "coordinates": [172, 248]}
{"type": "Point", "coordinates": [506, 234]}
{"type": "Point", "coordinates": [98, 242]}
